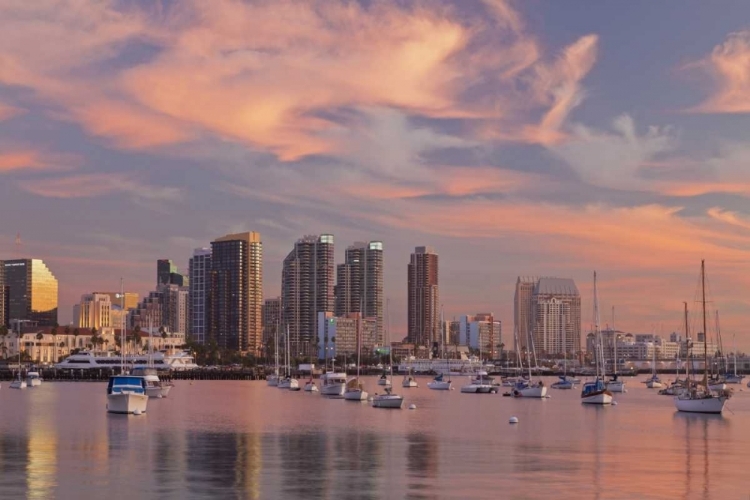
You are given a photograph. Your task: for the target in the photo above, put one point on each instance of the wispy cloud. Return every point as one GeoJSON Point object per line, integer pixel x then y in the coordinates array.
{"type": "Point", "coordinates": [99, 184]}
{"type": "Point", "coordinates": [729, 66]}
{"type": "Point", "coordinates": [27, 160]}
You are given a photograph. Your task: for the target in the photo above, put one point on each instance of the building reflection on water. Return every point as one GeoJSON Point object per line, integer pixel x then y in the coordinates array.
{"type": "Point", "coordinates": [223, 464]}
{"type": "Point", "coordinates": [305, 456]}
{"type": "Point", "coordinates": [14, 449]}
{"type": "Point", "coordinates": [356, 464]}
{"type": "Point", "coordinates": [42, 454]}
{"type": "Point", "coordinates": [698, 448]}
{"type": "Point", "coordinates": [422, 465]}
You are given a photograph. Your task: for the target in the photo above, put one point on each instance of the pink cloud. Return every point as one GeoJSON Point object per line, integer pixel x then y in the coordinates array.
{"type": "Point", "coordinates": [95, 185]}
{"type": "Point", "coordinates": [7, 111]}
{"type": "Point", "coordinates": [30, 160]}
{"type": "Point", "coordinates": [729, 66]}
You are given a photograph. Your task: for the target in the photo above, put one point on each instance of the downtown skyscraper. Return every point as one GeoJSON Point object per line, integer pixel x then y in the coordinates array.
{"type": "Point", "coordinates": [236, 292]}
{"type": "Point", "coordinates": [199, 272]}
{"type": "Point", "coordinates": [359, 284]}
{"type": "Point", "coordinates": [32, 292]}
{"type": "Point", "coordinates": [307, 283]}
{"type": "Point", "coordinates": [423, 297]}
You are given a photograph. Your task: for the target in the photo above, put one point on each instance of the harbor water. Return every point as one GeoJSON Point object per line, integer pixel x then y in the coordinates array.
{"type": "Point", "coordinates": [243, 439]}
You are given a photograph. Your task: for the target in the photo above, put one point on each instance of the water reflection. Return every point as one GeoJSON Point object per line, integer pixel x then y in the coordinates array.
{"type": "Point", "coordinates": [14, 449]}
{"type": "Point", "coordinates": [41, 467]}
{"type": "Point", "coordinates": [697, 449]}
{"type": "Point", "coordinates": [168, 461]}
{"type": "Point", "coordinates": [307, 455]}
{"type": "Point", "coordinates": [422, 465]}
{"type": "Point", "coordinates": [223, 465]}
{"type": "Point", "coordinates": [357, 464]}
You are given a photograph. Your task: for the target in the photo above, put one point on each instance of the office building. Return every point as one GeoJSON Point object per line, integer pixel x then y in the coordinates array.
{"type": "Point", "coordinates": [307, 281]}
{"type": "Point", "coordinates": [271, 318]}
{"type": "Point", "coordinates": [236, 292]}
{"type": "Point", "coordinates": [32, 290]}
{"type": "Point", "coordinates": [423, 298]}
{"type": "Point", "coordinates": [166, 307]}
{"type": "Point", "coordinates": [523, 311]}
{"type": "Point", "coordinates": [338, 334]}
{"type": "Point", "coordinates": [557, 317]}
{"type": "Point", "coordinates": [94, 311]}
{"type": "Point", "coordinates": [359, 283]}
{"type": "Point", "coordinates": [166, 274]}
{"type": "Point", "coordinates": [199, 271]}
{"type": "Point", "coordinates": [128, 300]}
{"type": "Point", "coordinates": [482, 332]}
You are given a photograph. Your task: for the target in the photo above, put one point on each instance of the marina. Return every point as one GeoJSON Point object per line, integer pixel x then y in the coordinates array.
{"type": "Point", "coordinates": [452, 446]}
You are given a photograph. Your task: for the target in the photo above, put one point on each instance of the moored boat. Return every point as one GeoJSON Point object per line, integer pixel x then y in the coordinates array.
{"type": "Point", "coordinates": [595, 392]}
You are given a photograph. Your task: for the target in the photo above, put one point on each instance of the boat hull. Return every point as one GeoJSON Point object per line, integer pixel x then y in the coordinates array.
{"type": "Point", "coordinates": [154, 392]}
{"type": "Point", "coordinates": [616, 386]}
{"type": "Point", "coordinates": [335, 389]}
{"type": "Point", "coordinates": [439, 386]}
{"type": "Point", "coordinates": [700, 405]}
{"type": "Point", "coordinates": [531, 392]}
{"type": "Point", "coordinates": [18, 384]}
{"type": "Point", "coordinates": [35, 382]}
{"type": "Point", "coordinates": [409, 383]}
{"type": "Point", "coordinates": [718, 387]}
{"type": "Point", "coordinates": [478, 389]}
{"type": "Point", "coordinates": [562, 385]}
{"type": "Point", "coordinates": [355, 395]}
{"type": "Point", "coordinates": [127, 403]}
{"type": "Point", "coordinates": [311, 387]}
{"type": "Point", "coordinates": [597, 398]}
{"type": "Point", "coordinates": [384, 382]}
{"type": "Point", "coordinates": [388, 401]}
{"type": "Point", "coordinates": [165, 388]}
{"type": "Point", "coordinates": [654, 384]}
{"type": "Point", "coordinates": [291, 384]}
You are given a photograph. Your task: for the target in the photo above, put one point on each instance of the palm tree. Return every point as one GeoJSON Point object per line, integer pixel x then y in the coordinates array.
{"type": "Point", "coordinates": [67, 330]}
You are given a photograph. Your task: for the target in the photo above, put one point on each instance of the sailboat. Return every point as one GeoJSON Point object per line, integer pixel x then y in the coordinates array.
{"type": "Point", "coordinates": [388, 400]}
{"type": "Point", "coordinates": [698, 398]}
{"type": "Point", "coordinates": [653, 382]}
{"type": "Point", "coordinates": [718, 382]}
{"type": "Point", "coordinates": [596, 392]}
{"type": "Point", "coordinates": [478, 385]}
{"type": "Point", "coordinates": [355, 391]}
{"type": "Point", "coordinates": [288, 382]}
{"type": "Point", "coordinates": [734, 378]}
{"type": "Point", "coordinates": [126, 393]}
{"type": "Point", "coordinates": [526, 388]}
{"type": "Point", "coordinates": [273, 379]}
{"type": "Point", "coordinates": [564, 382]}
{"type": "Point", "coordinates": [332, 383]}
{"type": "Point", "coordinates": [614, 384]}
{"type": "Point", "coordinates": [678, 385]}
{"type": "Point", "coordinates": [439, 383]}
{"type": "Point", "coordinates": [19, 383]}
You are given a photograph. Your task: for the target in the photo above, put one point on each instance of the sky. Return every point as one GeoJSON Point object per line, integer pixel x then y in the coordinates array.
{"type": "Point", "coordinates": [516, 138]}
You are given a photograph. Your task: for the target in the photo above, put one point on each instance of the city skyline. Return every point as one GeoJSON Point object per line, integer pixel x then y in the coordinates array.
{"type": "Point", "coordinates": [516, 138]}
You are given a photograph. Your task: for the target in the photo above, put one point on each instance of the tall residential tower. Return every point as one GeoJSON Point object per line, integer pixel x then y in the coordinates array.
{"type": "Point", "coordinates": [359, 281]}
{"type": "Point", "coordinates": [423, 297]}
{"type": "Point", "coordinates": [200, 279]}
{"type": "Point", "coordinates": [236, 292]}
{"type": "Point", "coordinates": [307, 280]}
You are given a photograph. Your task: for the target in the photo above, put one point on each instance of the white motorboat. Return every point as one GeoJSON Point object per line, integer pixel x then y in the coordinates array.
{"type": "Point", "coordinates": [616, 386]}
{"type": "Point", "coordinates": [155, 387]}
{"type": "Point", "coordinates": [384, 381]}
{"type": "Point", "coordinates": [33, 379]}
{"type": "Point", "coordinates": [596, 392]}
{"type": "Point", "coordinates": [698, 397]}
{"type": "Point", "coordinates": [289, 383]}
{"type": "Point", "coordinates": [126, 394]}
{"type": "Point", "coordinates": [440, 384]}
{"type": "Point", "coordinates": [333, 384]}
{"type": "Point", "coordinates": [653, 382]}
{"type": "Point", "coordinates": [310, 386]}
{"type": "Point", "coordinates": [473, 388]}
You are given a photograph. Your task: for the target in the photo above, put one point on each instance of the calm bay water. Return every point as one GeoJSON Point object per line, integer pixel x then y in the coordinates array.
{"type": "Point", "coordinates": [247, 440]}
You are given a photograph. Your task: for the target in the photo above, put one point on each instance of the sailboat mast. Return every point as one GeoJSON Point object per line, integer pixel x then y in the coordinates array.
{"type": "Point", "coordinates": [705, 334]}
{"type": "Point", "coordinates": [122, 332]}
{"type": "Point", "coordinates": [614, 340]}
{"type": "Point", "coordinates": [687, 342]}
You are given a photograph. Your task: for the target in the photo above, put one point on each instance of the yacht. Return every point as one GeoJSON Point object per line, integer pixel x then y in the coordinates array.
{"type": "Point", "coordinates": [387, 400]}
{"type": "Point", "coordinates": [126, 394]}
{"type": "Point", "coordinates": [33, 379]}
{"type": "Point", "coordinates": [333, 384]}
{"type": "Point", "coordinates": [409, 381]}
{"type": "Point", "coordinates": [155, 388]}
{"type": "Point", "coordinates": [88, 360]}
{"type": "Point", "coordinates": [525, 389]}
{"type": "Point", "coordinates": [355, 391]}
{"type": "Point", "coordinates": [563, 383]}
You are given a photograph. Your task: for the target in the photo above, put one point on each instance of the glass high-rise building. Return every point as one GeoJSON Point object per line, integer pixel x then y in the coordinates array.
{"type": "Point", "coordinates": [166, 274]}
{"type": "Point", "coordinates": [200, 276]}
{"type": "Point", "coordinates": [307, 281]}
{"type": "Point", "coordinates": [236, 292]}
{"type": "Point", "coordinates": [3, 295]}
{"type": "Point", "coordinates": [359, 283]}
{"type": "Point", "coordinates": [32, 291]}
